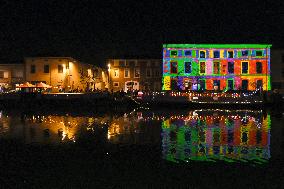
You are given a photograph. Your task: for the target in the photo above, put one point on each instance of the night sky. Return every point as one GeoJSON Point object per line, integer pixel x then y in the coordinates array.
{"type": "Point", "coordinates": [94, 30]}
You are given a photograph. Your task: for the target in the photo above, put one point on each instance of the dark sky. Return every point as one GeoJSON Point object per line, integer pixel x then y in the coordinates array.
{"type": "Point", "coordinates": [94, 30]}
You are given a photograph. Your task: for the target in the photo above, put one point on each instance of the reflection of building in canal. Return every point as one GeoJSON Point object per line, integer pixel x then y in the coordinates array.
{"type": "Point", "coordinates": [208, 137]}
{"type": "Point", "coordinates": [50, 128]}
{"type": "Point", "coordinates": [129, 129]}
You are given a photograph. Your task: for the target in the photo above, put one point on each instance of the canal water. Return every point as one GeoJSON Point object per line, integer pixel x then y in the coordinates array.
{"type": "Point", "coordinates": [203, 135]}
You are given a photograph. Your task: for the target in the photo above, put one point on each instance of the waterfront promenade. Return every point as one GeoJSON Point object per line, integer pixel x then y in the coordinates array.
{"type": "Point", "coordinates": [106, 100]}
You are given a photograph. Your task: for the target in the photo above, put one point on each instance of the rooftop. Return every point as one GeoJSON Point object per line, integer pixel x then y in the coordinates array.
{"type": "Point", "coordinates": [233, 46]}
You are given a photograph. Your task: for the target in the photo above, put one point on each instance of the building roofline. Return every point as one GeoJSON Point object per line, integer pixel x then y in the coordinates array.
{"type": "Point", "coordinates": [7, 64]}
{"type": "Point", "coordinates": [233, 46]}
{"type": "Point", "coordinates": [140, 59]}
{"type": "Point", "coordinates": [51, 57]}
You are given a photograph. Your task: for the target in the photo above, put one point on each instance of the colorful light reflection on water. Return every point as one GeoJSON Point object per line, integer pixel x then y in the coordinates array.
{"type": "Point", "coordinates": [200, 135]}
{"type": "Point", "coordinates": [217, 135]}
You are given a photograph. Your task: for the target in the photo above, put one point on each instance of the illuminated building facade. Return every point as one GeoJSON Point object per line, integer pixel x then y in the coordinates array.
{"type": "Point", "coordinates": [216, 67]}
{"type": "Point", "coordinates": [131, 74]}
{"type": "Point", "coordinates": [64, 72]}
{"type": "Point", "coordinates": [10, 75]}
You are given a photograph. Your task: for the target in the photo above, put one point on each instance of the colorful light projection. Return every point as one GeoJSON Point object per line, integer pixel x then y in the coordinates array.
{"type": "Point", "coordinates": [231, 136]}
{"type": "Point", "coordinates": [216, 66]}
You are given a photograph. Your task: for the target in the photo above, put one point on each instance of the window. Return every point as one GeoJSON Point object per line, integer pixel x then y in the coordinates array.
{"type": "Point", "coordinates": [244, 67]}
{"type": "Point", "coordinates": [202, 67]}
{"type": "Point", "coordinates": [245, 53]}
{"type": "Point", "coordinates": [116, 84]}
{"type": "Point", "coordinates": [245, 84]}
{"type": "Point", "coordinates": [174, 67]}
{"type": "Point", "coordinates": [216, 54]}
{"type": "Point", "coordinates": [121, 63]}
{"type": "Point", "coordinates": [131, 63]}
{"type": "Point", "coordinates": [148, 64]}
{"type": "Point", "coordinates": [17, 73]}
{"type": "Point", "coordinates": [60, 68]}
{"type": "Point", "coordinates": [201, 54]}
{"type": "Point", "coordinates": [126, 73]}
{"type": "Point", "coordinates": [259, 67]}
{"type": "Point", "coordinates": [216, 67]}
{"type": "Point", "coordinates": [33, 68]}
{"type": "Point", "coordinates": [216, 84]}
{"type": "Point", "coordinates": [46, 68]}
{"type": "Point", "coordinates": [4, 74]}
{"type": "Point", "coordinates": [89, 71]}
{"type": "Point", "coordinates": [230, 84]}
{"type": "Point", "coordinates": [174, 53]}
{"type": "Point", "coordinates": [187, 53]}
{"type": "Point", "coordinates": [148, 72]}
{"type": "Point", "coordinates": [116, 73]}
{"type": "Point", "coordinates": [259, 84]}
{"type": "Point", "coordinates": [127, 63]}
{"type": "Point", "coordinates": [136, 72]}
{"type": "Point", "coordinates": [230, 54]}
{"type": "Point", "coordinates": [157, 73]}
{"type": "Point", "coordinates": [258, 53]}
{"type": "Point", "coordinates": [230, 67]}
{"type": "Point", "coordinates": [136, 63]}
{"type": "Point", "coordinates": [187, 67]}
{"type": "Point", "coordinates": [202, 84]}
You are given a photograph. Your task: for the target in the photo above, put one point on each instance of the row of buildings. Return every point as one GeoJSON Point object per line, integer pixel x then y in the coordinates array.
{"type": "Point", "coordinates": [182, 67]}
{"type": "Point", "coordinates": [69, 74]}
{"type": "Point", "coordinates": [62, 73]}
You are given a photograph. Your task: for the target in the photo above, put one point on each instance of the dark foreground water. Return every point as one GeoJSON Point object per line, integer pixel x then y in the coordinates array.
{"type": "Point", "coordinates": [160, 149]}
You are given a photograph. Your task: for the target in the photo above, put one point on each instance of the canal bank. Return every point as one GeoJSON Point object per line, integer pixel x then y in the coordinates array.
{"type": "Point", "coordinates": [111, 102]}
{"type": "Point", "coordinates": [65, 101]}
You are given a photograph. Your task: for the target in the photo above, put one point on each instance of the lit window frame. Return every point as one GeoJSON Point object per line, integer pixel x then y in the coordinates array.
{"type": "Point", "coordinates": [126, 69]}
{"type": "Point", "coordinates": [190, 52]}
{"type": "Point", "coordinates": [256, 70]}
{"type": "Point", "coordinates": [262, 53]}
{"type": "Point", "coordinates": [216, 51]}
{"type": "Point", "coordinates": [116, 70]}
{"type": "Point", "coordinates": [242, 67]}
{"type": "Point", "coordinates": [190, 67]}
{"type": "Point", "coordinates": [33, 67]}
{"type": "Point", "coordinates": [219, 67]}
{"type": "Point", "coordinates": [228, 53]}
{"type": "Point", "coordinates": [59, 70]}
{"type": "Point", "coordinates": [44, 71]}
{"type": "Point", "coordinates": [200, 67]}
{"type": "Point", "coordinates": [171, 71]}
{"type": "Point", "coordinates": [204, 53]}
{"type": "Point", "coordinates": [137, 68]}
{"type": "Point", "coordinates": [173, 51]}
{"type": "Point", "coordinates": [228, 67]}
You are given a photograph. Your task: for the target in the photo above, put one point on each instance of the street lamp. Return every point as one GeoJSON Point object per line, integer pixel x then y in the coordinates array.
{"type": "Point", "coordinates": [108, 76]}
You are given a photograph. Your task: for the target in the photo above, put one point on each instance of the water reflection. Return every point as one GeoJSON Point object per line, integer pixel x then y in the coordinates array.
{"type": "Point", "coordinates": [200, 135]}
{"type": "Point", "coordinates": [217, 135]}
